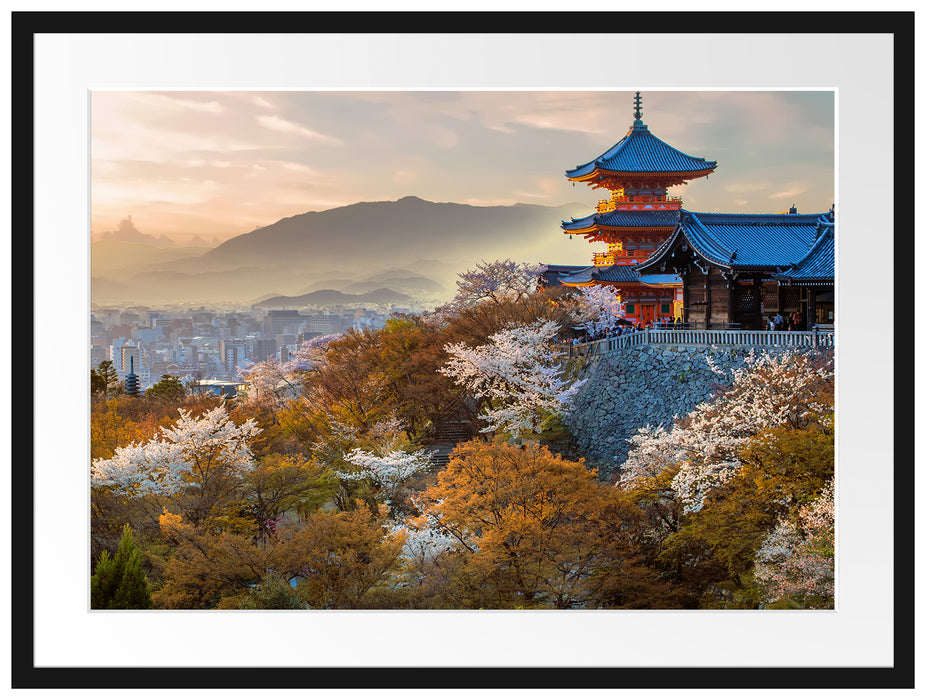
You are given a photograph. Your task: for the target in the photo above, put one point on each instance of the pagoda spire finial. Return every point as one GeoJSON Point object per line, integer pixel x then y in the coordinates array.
{"type": "Point", "coordinates": [637, 107]}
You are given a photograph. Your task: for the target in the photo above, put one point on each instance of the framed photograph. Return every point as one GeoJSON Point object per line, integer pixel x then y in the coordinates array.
{"type": "Point", "coordinates": [120, 133]}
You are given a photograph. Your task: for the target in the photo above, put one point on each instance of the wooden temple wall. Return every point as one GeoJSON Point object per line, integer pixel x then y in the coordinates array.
{"type": "Point", "coordinates": [707, 297]}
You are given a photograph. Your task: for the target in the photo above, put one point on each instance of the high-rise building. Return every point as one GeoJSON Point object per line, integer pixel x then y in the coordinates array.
{"type": "Point", "coordinates": [264, 348]}
{"type": "Point", "coordinates": [232, 354]}
{"type": "Point", "coordinates": [97, 355]}
{"type": "Point", "coordinates": [129, 355]}
{"type": "Point", "coordinates": [286, 321]}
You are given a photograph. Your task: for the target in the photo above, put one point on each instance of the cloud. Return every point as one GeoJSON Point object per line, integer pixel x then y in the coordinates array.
{"type": "Point", "coordinates": [201, 163]}
{"type": "Point", "coordinates": [740, 187]}
{"type": "Point", "coordinates": [275, 123]}
{"type": "Point", "coordinates": [553, 121]}
{"type": "Point", "coordinates": [794, 189]}
{"type": "Point", "coordinates": [169, 102]}
{"type": "Point", "coordinates": [509, 146]}
{"type": "Point", "coordinates": [545, 188]}
{"type": "Point", "coordinates": [140, 142]}
{"type": "Point", "coordinates": [179, 191]}
{"type": "Point", "coordinates": [440, 136]}
{"type": "Point", "coordinates": [297, 167]}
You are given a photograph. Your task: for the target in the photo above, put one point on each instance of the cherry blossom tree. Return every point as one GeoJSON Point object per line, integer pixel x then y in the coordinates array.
{"type": "Point", "coordinates": [388, 468]}
{"type": "Point", "coordinates": [269, 384]}
{"type": "Point", "coordinates": [311, 353]}
{"type": "Point", "coordinates": [518, 372]}
{"type": "Point", "coordinates": [202, 457]}
{"type": "Point", "coordinates": [796, 560]}
{"type": "Point", "coordinates": [502, 280]}
{"type": "Point", "coordinates": [426, 539]}
{"type": "Point", "coordinates": [790, 389]}
{"type": "Point", "coordinates": [598, 308]}
{"type": "Point", "coordinates": [272, 383]}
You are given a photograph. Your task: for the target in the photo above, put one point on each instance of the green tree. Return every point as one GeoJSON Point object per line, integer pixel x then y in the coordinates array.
{"type": "Point", "coordinates": [104, 379]}
{"type": "Point", "coordinates": [120, 582]}
{"type": "Point", "coordinates": [169, 388]}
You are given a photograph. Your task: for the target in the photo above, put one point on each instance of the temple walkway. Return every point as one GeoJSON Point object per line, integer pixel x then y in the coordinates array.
{"type": "Point", "coordinates": [773, 340]}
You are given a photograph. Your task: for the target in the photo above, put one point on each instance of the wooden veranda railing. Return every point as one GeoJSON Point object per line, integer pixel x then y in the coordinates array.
{"type": "Point", "coordinates": [814, 338]}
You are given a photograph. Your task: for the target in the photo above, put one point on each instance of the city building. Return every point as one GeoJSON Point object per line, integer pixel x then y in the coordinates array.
{"type": "Point", "coordinates": [129, 358]}
{"type": "Point", "coordinates": [285, 321]}
{"type": "Point", "coordinates": [263, 349]}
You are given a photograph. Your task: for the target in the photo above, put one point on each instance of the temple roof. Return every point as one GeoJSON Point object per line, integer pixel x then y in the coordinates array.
{"type": "Point", "coordinates": [640, 152]}
{"type": "Point", "coordinates": [819, 265]}
{"type": "Point", "coordinates": [745, 241]}
{"type": "Point", "coordinates": [617, 274]}
{"type": "Point", "coordinates": [553, 274]}
{"type": "Point", "coordinates": [658, 218]}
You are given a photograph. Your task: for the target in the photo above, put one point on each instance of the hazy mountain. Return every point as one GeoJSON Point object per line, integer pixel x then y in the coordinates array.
{"type": "Point", "coordinates": [127, 233]}
{"type": "Point", "coordinates": [410, 246]}
{"type": "Point", "coordinates": [115, 257]}
{"type": "Point", "coordinates": [387, 233]}
{"type": "Point", "coordinates": [406, 285]}
{"type": "Point", "coordinates": [331, 297]}
{"type": "Point", "coordinates": [404, 281]}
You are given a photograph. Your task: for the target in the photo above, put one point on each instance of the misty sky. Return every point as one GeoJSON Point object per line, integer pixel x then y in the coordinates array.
{"type": "Point", "coordinates": [202, 167]}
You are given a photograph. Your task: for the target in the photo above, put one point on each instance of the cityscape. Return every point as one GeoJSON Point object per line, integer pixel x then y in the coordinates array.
{"type": "Point", "coordinates": [205, 348]}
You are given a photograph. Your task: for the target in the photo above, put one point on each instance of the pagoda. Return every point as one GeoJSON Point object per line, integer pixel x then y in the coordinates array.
{"type": "Point", "coordinates": [636, 218]}
{"type": "Point", "coordinates": [132, 386]}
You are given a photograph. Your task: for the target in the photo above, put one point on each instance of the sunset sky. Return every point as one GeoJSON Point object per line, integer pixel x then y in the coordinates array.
{"type": "Point", "coordinates": [201, 167]}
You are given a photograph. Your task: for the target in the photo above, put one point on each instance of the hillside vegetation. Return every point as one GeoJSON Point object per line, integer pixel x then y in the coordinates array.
{"type": "Point", "coordinates": [317, 488]}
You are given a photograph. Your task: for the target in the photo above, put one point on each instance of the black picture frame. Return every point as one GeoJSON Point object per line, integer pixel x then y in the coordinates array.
{"type": "Point", "coordinates": [26, 26]}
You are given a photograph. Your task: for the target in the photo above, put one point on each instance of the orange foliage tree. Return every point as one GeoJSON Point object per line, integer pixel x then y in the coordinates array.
{"type": "Point", "coordinates": [330, 560]}
{"type": "Point", "coordinates": [534, 529]}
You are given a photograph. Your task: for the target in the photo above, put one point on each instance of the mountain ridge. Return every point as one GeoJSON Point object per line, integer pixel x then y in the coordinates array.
{"type": "Point", "coordinates": [358, 243]}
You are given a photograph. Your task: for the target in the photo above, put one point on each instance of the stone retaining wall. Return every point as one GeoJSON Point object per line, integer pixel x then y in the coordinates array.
{"type": "Point", "coordinates": [644, 385]}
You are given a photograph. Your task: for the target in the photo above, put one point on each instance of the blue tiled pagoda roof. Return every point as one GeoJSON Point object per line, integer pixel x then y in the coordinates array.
{"type": "Point", "coordinates": [746, 241]}
{"type": "Point", "coordinates": [616, 274]}
{"type": "Point", "coordinates": [641, 152]}
{"type": "Point", "coordinates": [659, 218]}
{"type": "Point", "coordinates": [819, 265]}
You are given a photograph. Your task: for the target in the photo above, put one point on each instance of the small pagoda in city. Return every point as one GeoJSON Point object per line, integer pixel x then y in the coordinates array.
{"type": "Point", "coordinates": [637, 217]}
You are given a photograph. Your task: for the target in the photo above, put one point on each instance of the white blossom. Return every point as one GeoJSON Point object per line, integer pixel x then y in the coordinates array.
{"type": "Point", "coordinates": [389, 468]}
{"type": "Point", "coordinates": [186, 451]}
{"type": "Point", "coordinates": [425, 540]}
{"type": "Point", "coordinates": [598, 309]}
{"type": "Point", "coordinates": [694, 482]}
{"type": "Point", "coordinates": [796, 560]}
{"type": "Point", "coordinates": [502, 280]}
{"type": "Point", "coordinates": [310, 354]}
{"type": "Point", "coordinates": [272, 383]}
{"type": "Point", "coordinates": [268, 383]}
{"type": "Point", "coordinates": [770, 391]}
{"type": "Point", "coordinates": [519, 372]}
